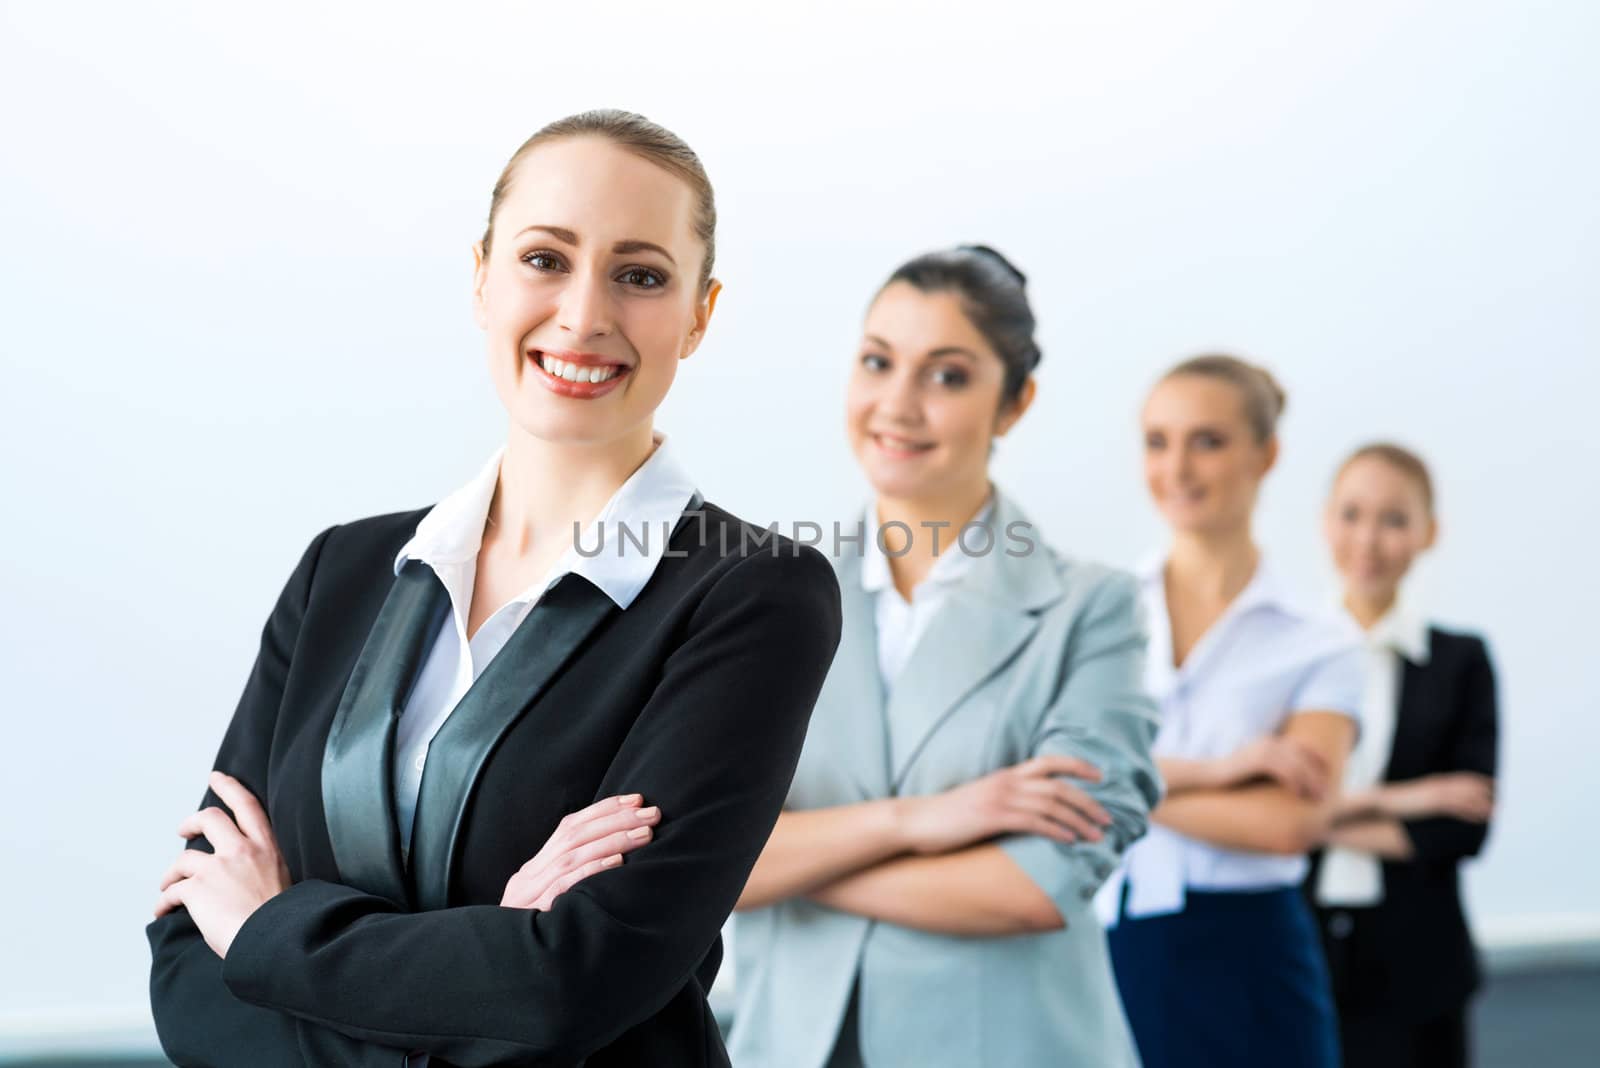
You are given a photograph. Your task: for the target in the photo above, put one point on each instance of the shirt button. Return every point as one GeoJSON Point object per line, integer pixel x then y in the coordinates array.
{"type": "Point", "coordinates": [422, 758]}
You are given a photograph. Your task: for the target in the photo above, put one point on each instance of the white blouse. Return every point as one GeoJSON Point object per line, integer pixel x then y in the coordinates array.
{"type": "Point", "coordinates": [1349, 876]}
{"type": "Point", "coordinates": [1265, 659]}
{"type": "Point", "coordinates": [901, 622]}
{"type": "Point", "coordinates": [649, 504]}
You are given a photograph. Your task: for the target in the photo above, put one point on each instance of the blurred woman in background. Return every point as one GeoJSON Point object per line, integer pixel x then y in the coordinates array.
{"type": "Point", "coordinates": [979, 756]}
{"type": "Point", "coordinates": [1418, 790]}
{"type": "Point", "coordinates": [1216, 953]}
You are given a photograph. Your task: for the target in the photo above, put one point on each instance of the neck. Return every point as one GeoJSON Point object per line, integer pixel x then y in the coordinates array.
{"type": "Point", "coordinates": [954, 509]}
{"type": "Point", "coordinates": [1216, 564]}
{"type": "Point", "coordinates": [1369, 608]}
{"type": "Point", "coordinates": [545, 488]}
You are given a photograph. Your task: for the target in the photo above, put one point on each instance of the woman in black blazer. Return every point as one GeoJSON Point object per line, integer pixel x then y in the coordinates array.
{"type": "Point", "coordinates": [443, 694]}
{"type": "Point", "coordinates": [1419, 788]}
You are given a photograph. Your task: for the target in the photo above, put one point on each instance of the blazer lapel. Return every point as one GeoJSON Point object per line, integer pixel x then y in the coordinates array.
{"type": "Point", "coordinates": [358, 759]}
{"type": "Point", "coordinates": [557, 627]}
{"type": "Point", "coordinates": [981, 625]}
{"type": "Point", "coordinates": [858, 704]}
{"type": "Point", "coordinates": [1415, 705]}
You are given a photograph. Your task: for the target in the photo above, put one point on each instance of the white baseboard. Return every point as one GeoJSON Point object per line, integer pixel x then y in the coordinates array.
{"type": "Point", "coordinates": [1551, 940]}
{"type": "Point", "coordinates": [123, 1032]}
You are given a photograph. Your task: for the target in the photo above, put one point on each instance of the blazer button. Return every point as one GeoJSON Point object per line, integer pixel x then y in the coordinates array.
{"type": "Point", "coordinates": [1340, 925]}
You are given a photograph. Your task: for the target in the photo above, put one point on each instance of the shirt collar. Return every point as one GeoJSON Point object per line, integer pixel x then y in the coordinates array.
{"type": "Point", "coordinates": [647, 505]}
{"type": "Point", "coordinates": [1266, 588]}
{"type": "Point", "coordinates": [1403, 630]}
{"type": "Point", "coordinates": [951, 564]}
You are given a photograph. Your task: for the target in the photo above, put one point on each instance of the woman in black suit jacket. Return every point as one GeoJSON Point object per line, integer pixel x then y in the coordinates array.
{"type": "Point", "coordinates": [1419, 790]}
{"type": "Point", "coordinates": [305, 925]}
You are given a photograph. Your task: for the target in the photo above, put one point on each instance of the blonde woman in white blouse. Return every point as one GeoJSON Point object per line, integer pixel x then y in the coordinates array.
{"type": "Point", "coordinates": [1216, 955]}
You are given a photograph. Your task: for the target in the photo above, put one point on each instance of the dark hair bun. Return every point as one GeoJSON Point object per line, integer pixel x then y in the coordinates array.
{"type": "Point", "coordinates": [994, 295]}
{"type": "Point", "coordinates": [994, 254]}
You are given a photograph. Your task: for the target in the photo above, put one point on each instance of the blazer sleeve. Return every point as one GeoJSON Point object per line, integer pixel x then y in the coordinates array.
{"type": "Point", "coordinates": [1472, 747]}
{"type": "Point", "coordinates": [715, 747]}
{"type": "Point", "coordinates": [1101, 714]}
{"type": "Point", "coordinates": [198, 1020]}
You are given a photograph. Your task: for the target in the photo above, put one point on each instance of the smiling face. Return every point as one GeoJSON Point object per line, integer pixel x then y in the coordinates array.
{"type": "Point", "coordinates": [1377, 522]}
{"type": "Point", "coordinates": [1202, 462]}
{"type": "Point", "coordinates": [924, 399]}
{"type": "Point", "coordinates": [590, 293]}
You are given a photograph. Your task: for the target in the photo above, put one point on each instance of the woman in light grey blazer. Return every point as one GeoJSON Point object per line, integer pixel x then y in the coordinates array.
{"type": "Point", "coordinates": [980, 755]}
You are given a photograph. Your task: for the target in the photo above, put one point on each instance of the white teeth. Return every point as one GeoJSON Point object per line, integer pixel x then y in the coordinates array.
{"type": "Point", "coordinates": [572, 372]}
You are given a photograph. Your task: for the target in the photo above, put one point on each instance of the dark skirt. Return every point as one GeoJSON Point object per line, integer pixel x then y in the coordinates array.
{"type": "Point", "coordinates": [1235, 980]}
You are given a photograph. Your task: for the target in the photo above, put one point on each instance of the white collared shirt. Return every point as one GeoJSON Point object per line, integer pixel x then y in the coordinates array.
{"type": "Point", "coordinates": [649, 504]}
{"type": "Point", "coordinates": [1348, 876]}
{"type": "Point", "coordinates": [901, 622]}
{"type": "Point", "coordinates": [1262, 661]}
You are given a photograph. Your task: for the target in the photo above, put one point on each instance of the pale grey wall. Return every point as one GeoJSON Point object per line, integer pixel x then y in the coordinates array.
{"type": "Point", "coordinates": [234, 279]}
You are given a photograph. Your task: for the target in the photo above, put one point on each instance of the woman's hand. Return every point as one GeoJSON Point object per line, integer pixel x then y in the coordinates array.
{"type": "Point", "coordinates": [1465, 795]}
{"type": "Point", "coordinates": [1282, 760]}
{"type": "Point", "coordinates": [224, 888]}
{"type": "Point", "coordinates": [1026, 798]}
{"type": "Point", "coordinates": [584, 843]}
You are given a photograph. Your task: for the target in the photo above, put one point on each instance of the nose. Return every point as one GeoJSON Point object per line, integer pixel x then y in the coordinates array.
{"type": "Point", "coordinates": [1180, 465]}
{"type": "Point", "coordinates": [586, 309]}
{"type": "Point", "coordinates": [899, 402]}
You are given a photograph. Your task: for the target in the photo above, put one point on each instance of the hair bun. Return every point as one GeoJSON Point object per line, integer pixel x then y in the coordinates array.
{"type": "Point", "coordinates": [994, 254]}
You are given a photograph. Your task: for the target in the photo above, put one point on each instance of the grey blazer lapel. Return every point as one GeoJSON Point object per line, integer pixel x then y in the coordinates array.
{"type": "Point", "coordinates": [358, 759]}
{"type": "Point", "coordinates": [856, 700]}
{"type": "Point", "coordinates": [557, 627]}
{"type": "Point", "coordinates": [985, 620]}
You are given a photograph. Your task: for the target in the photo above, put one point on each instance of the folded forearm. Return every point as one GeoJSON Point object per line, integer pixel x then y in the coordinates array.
{"type": "Point", "coordinates": [812, 847]}
{"type": "Point", "coordinates": [1379, 836]}
{"type": "Point", "coordinates": [977, 891]}
{"type": "Point", "coordinates": [503, 985]}
{"type": "Point", "coordinates": [1262, 819]}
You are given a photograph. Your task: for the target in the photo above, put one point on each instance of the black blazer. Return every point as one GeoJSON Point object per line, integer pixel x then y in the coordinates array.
{"type": "Point", "coordinates": [1413, 953]}
{"type": "Point", "coordinates": [697, 696]}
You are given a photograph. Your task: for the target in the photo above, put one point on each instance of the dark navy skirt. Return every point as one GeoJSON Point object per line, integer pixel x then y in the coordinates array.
{"type": "Point", "coordinates": [1235, 980]}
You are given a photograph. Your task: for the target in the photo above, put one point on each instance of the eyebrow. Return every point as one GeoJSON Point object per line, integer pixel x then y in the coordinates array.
{"type": "Point", "coordinates": [621, 248]}
{"type": "Point", "coordinates": [943, 350]}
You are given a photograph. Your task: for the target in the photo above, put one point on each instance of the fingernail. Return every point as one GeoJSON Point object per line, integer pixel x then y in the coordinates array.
{"type": "Point", "coordinates": [648, 813]}
{"type": "Point", "coordinates": [639, 834]}
{"type": "Point", "coordinates": [631, 799]}
{"type": "Point", "coordinates": [612, 861]}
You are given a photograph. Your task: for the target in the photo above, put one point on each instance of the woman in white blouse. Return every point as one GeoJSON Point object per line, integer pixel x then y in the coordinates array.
{"type": "Point", "coordinates": [1216, 955]}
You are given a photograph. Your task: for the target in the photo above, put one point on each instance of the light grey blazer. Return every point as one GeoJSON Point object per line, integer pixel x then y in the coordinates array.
{"type": "Point", "coordinates": [1029, 654]}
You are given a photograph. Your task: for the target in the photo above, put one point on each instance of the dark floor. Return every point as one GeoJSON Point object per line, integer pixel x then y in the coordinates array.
{"type": "Point", "coordinates": [1547, 1019]}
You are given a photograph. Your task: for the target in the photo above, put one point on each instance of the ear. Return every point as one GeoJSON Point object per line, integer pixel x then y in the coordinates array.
{"type": "Point", "coordinates": [1008, 417]}
{"type": "Point", "coordinates": [702, 318]}
{"type": "Point", "coordinates": [1432, 536]}
{"type": "Point", "coordinates": [1269, 451]}
{"type": "Point", "coordinates": [480, 274]}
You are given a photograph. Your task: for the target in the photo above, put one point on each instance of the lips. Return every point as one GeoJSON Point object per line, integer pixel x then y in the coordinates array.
{"type": "Point", "coordinates": [900, 448]}
{"type": "Point", "coordinates": [578, 374]}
